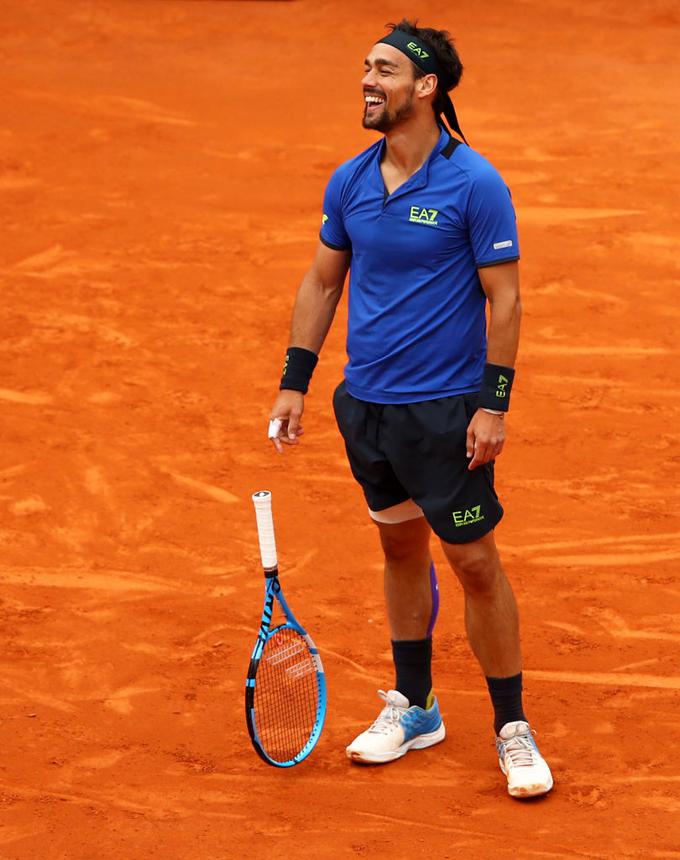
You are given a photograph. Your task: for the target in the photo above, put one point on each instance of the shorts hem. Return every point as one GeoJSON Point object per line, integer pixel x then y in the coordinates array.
{"type": "Point", "coordinates": [395, 514]}
{"type": "Point", "coordinates": [382, 505]}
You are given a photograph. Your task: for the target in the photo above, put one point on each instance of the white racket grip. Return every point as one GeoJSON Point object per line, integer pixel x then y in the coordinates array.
{"type": "Point", "coordinates": [265, 528]}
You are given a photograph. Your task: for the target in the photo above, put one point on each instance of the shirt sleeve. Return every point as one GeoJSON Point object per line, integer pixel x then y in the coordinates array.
{"type": "Point", "coordinates": [491, 220]}
{"type": "Point", "coordinates": [333, 233]}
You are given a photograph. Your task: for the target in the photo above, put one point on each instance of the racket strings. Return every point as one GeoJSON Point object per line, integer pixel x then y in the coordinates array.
{"type": "Point", "coordinates": [286, 695]}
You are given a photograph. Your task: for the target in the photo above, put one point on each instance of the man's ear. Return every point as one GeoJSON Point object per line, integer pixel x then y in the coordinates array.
{"type": "Point", "coordinates": [426, 85]}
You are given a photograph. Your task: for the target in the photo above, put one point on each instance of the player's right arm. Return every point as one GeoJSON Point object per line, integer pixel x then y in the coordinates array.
{"type": "Point", "coordinates": [313, 312]}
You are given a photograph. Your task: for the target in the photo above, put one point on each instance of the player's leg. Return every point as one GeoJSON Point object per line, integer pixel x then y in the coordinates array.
{"type": "Point", "coordinates": [410, 591]}
{"type": "Point", "coordinates": [410, 582]}
{"type": "Point", "coordinates": [491, 617]}
{"type": "Point", "coordinates": [408, 598]}
{"type": "Point", "coordinates": [411, 599]}
{"type": "Point", "coordinates": [492, 624]}
{"type": "Point", "coordinates": [463, 509]}
{"type": "Point", "coordinates": [410, 718]}
{"type": "Point", "coordinates": [408, 594]}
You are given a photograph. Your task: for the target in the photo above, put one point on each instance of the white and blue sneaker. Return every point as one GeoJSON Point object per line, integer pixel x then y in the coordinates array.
{"type": "Point", "coordinates": [526, 770]}
{"type": "Point", "coordinates": [398, 729]}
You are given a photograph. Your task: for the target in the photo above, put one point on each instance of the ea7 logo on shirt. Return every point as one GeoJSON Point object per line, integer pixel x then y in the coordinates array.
{"type": "Point", "coordinates": [468, 516]}
{"type": "Point", "coordinates": [419, 52]}
{"type": "Point", "coordinates": [420, 215]}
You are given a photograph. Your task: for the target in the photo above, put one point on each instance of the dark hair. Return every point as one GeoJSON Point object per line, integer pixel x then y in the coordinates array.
{"type": "Point", "coordinates": [444, 50]}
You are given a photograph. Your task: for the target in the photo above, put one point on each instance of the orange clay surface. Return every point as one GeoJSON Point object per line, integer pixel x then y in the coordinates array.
{"type": "Point", "coordinates": [161, 173]}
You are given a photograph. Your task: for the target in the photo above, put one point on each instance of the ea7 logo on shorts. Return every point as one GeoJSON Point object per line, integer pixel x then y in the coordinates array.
{"type": "Point", "coordinates": [419, 52]}
{"type": "Point", "coordinates": [468, 516]}
{"type": "Point", "coordinates": [419, 215]}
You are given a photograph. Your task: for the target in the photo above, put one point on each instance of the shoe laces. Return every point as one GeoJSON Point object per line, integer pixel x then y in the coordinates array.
{"type": "Point", "coordinates": [520, 750]}
{"type": "Point", "coordinates": [389, 718]}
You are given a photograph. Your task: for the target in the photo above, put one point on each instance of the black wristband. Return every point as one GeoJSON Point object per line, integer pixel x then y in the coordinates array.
{"type": "Point", "coordinates": [298, 369]}
{"type": "Point", "coordinates": [496, 385]}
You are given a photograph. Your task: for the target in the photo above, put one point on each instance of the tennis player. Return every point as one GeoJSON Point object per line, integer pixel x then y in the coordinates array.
{"type": "Point", "coordinates": [426, 227]}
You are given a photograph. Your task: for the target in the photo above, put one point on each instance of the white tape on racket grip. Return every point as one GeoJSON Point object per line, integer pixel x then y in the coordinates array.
{"type": "Point", "coordinates": [265, 528]}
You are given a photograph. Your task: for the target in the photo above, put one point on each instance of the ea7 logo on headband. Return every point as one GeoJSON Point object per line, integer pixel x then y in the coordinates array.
{"type": "Point", "coordinates": [419, 52]}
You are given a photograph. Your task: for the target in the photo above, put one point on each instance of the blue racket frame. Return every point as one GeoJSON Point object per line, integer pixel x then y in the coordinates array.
{"type": "Point", "coordinates": [273, 592]}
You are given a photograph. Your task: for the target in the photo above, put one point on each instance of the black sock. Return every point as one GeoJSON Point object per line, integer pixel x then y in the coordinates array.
{"type": "Point", "coordinates": [506, 698]}
{"type": "Point", "coordinates": [413, 664]}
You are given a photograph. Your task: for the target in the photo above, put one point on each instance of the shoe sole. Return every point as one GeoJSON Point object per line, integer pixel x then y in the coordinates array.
{"type": "Point", "coordinates": [531, 789]}
{"type": "Point", "coordinates": [420, 742]}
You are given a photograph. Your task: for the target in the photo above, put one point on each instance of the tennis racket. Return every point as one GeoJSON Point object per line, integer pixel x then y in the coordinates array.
{"type": "Point", "coordinates": [286, 685]}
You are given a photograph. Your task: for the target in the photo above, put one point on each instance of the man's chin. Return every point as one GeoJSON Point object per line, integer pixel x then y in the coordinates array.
{"type": "Point", "coordinates": [377, 123]}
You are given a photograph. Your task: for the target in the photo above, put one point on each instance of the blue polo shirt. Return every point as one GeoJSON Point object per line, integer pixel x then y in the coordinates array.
{"type": "Point", "coordinates": [417, 326]}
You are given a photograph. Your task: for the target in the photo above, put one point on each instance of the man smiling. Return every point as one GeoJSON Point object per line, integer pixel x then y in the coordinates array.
{"type": "Point", "coordinates": [427, 229]}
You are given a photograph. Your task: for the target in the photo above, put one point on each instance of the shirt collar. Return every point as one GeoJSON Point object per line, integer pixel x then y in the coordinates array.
{"type": "Point", "coordinates": [421, 176]}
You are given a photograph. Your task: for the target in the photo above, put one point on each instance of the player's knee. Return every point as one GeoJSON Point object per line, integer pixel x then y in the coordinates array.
{"type": "Point", "coordinates": [401, 545]}
{"type": "Point", "coordinates": [477, 572]}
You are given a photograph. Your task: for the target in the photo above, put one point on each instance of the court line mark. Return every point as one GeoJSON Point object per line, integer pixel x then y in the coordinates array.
{"type": "Point", "coordinates": [604, 541]}
{"type": "Point", "coordinates": [605, 559]}
{"type": "Point", "coordinates": [466, 831]}
{"type": "Point", "coordinates": [89, 800]}
{"type": "Point", "coordinates": [33, 695]}
{"type": "Point", "coordinates": [625, 780]}
{"type": "Point", "coordinates": [617, 627]}
{"type": "Point", "coordinates": [30, 399]}
{"type": "Point", "coordinates": [568, 628]}
{"type": "Point", "coordinates": [606, 679]}
{"type": "Point", "coordinates": [344, 659]}
{"type": "Point", "coordinates": [217, 493]}
{"type": "Point", "coordinates": [636, 665]}
{"type": "Point", "coordinates": [111, 580]}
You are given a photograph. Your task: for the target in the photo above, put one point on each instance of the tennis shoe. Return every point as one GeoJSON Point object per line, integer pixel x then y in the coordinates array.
{"type": "Point", "coordinates": [399, 728]}
{"type": "Point", "coordinates": [526, 770]}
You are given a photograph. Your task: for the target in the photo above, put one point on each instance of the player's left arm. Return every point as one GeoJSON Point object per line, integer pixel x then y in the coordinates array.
{"type": "Point", "coordinates": [486, 432]}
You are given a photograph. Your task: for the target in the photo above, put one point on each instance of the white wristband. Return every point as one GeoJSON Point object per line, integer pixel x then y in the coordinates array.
{"type": "Point", "coordinates": [492, 411]}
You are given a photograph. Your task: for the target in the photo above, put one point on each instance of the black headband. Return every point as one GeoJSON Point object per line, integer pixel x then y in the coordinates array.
{"type": "Point", "coordinates": [424, 57]}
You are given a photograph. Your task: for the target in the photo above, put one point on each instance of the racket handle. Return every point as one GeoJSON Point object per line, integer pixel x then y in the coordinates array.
{"type": "Point", "coordinates": [265, 528]}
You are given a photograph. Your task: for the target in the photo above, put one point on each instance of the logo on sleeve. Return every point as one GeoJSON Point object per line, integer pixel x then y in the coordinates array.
{"type": "Point", "coordinates": [498, 245]}
{"type": "Point", "coordinates": [324, 219]}
{"type": "Point", "coordinates": [422, 215]}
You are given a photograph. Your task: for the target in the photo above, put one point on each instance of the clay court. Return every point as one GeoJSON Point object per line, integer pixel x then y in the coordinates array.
{"type": "Point", "coordinates": [162, 166]}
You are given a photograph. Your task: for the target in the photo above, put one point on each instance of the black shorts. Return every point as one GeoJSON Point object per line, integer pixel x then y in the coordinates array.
{"type": "Point", "coordinates": [417, 451]}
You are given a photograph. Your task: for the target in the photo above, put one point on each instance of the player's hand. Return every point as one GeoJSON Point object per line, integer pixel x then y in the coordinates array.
{"type": "Point", "coordinates": [485, 438]}
{"type": "Point", "coordinates": [284, 421]}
